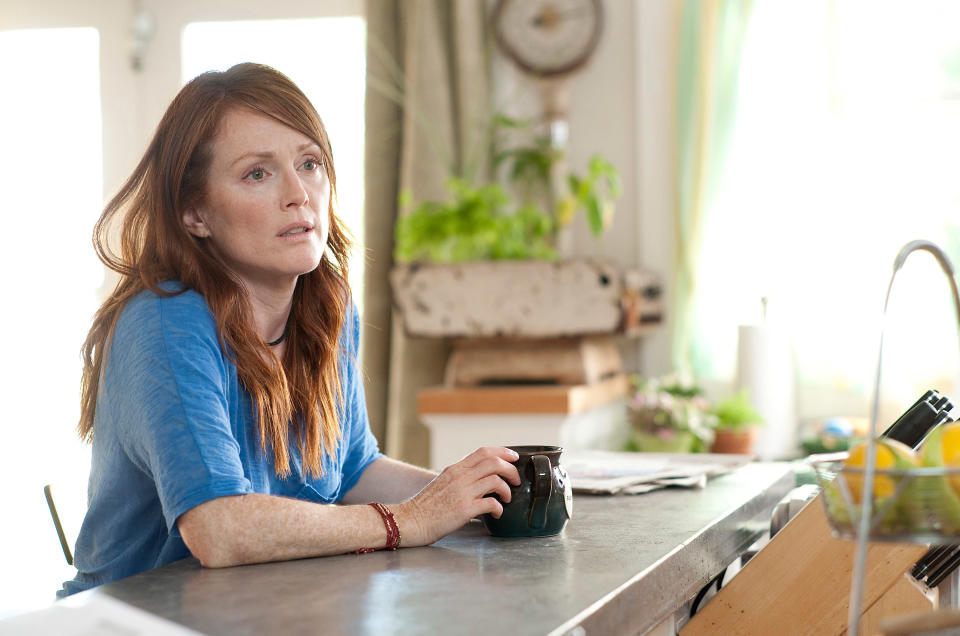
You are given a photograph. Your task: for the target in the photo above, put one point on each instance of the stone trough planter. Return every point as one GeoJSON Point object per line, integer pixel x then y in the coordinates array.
{"type": "Point", "coordinates": [525, 299]}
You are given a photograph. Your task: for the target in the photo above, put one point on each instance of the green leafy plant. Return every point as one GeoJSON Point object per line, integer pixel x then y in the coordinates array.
{"type": "Point", "coordinates": [475, 223]}
{"type": "Point", "coordinates": [669, 413]}
{"type": "Point", "coordinates": [736, 413]}
{"type": "Point", "coordinates": [594, 192]}
{"type": "Point", "coordinates": [490, 222]}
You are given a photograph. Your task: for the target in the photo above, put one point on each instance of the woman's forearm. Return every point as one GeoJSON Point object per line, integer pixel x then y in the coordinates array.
{"type": "Point", "coordinates": [257, 528]}
{"type": "Point", "coordinates": [388, 481]}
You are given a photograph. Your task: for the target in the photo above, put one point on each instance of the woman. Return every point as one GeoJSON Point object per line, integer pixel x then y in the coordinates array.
{"type": "Point", "coordinates": [220, 387]}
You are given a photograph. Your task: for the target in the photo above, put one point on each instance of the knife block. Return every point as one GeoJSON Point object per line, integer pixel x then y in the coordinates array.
{"type": "Point", "coordinates": [799, 583]}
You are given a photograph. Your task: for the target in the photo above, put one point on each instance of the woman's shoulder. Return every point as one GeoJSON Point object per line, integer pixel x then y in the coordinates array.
{"type": "Point", "coordinates": [176, 306]}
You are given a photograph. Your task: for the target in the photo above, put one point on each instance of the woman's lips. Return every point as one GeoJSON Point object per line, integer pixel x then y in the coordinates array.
{"type": "Point", "coordinates": [295, 230]}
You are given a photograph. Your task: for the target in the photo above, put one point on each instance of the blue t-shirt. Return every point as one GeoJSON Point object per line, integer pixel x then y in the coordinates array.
{"type": "Point", "coordinates": [175, 428]}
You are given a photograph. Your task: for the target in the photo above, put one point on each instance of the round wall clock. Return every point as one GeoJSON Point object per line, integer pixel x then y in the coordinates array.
{"type": "Point", "coordinates": [548, 37]}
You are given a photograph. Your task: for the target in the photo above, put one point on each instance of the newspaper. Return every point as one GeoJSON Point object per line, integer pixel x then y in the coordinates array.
{"type": "Point", "coordinates": [612, 473]}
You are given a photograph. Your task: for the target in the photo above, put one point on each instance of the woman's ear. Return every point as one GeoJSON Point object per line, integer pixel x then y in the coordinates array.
{"type": "Point", "coordinates": [194, 223]}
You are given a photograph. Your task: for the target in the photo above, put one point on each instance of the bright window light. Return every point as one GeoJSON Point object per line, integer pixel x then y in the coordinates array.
{"type": "Point", "coordinates": [51, 167]}
{"type": "Point", "coordinates": [846, 148]}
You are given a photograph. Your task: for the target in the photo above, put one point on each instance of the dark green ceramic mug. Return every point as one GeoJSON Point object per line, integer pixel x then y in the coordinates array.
{"type": "Point", "coordinates": [543, 502]}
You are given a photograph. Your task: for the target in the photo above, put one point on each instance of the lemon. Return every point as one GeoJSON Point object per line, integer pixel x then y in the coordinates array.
{"type": "Point", "coordinates": [887, 489]}
{"type": "Point", "coordinates": [891, 454]}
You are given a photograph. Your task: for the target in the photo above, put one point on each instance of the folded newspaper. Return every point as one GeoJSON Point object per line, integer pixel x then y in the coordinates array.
{"type": "Point", "coordinates": [611, 473]}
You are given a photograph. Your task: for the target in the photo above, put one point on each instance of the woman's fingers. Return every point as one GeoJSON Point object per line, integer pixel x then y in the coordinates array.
{"type": "Point", "coordinates": [458, 493]}
{"type": "Point", "coordinates": [494, 484]}
{"type": "Point", "coordinates": [487, 452]}
{"type": "Point", "coordinates": [491, 506]}
{"type": "Point", "coordinates": [497, 466]}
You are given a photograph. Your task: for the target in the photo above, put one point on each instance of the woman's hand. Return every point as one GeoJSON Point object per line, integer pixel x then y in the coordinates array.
{"type": "Point", "coordinates": [457, 495]}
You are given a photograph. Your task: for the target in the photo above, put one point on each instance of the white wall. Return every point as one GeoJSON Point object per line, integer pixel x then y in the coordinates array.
{"type": "Point", "coordinates": [622, 108]}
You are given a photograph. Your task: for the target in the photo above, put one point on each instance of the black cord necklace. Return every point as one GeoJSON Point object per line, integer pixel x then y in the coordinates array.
{"type": "Point", "coordinates": [282, 337]}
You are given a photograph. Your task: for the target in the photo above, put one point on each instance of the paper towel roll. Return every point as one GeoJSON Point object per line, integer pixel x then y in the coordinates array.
{"type": "Point", "coordinates": [765, 369]}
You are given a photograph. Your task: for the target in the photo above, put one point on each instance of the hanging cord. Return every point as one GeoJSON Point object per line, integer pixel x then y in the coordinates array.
{"type": "Point", "coordinates": [717, 580]}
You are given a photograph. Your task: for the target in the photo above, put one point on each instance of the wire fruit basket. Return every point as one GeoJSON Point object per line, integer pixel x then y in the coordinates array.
{"type": "Point", "coordinates": [915, 505]}
{"type": "Point", "coordinates": [856, 517]}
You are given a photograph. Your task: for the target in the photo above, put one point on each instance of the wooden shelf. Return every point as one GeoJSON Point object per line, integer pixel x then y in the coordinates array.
{"type": "Point", "coordinates": [528, 399]}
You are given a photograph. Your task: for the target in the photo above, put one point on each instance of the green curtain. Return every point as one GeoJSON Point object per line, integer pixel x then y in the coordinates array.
{"type": "Point", "coordinates": [711, 34]}
{"type": "Point", "coordinates": [427, 96]}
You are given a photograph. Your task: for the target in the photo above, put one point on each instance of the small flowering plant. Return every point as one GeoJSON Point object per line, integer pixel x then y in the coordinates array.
{"type": "Point", "coordinates": [669, 414]}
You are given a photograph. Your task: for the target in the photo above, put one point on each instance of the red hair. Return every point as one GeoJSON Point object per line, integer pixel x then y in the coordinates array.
{"type": "Point", "coordinates": [146, 216]}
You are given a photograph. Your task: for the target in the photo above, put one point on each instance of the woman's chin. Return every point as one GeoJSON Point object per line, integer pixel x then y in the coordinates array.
{"type": "Point", "coordinates": [306, 263]}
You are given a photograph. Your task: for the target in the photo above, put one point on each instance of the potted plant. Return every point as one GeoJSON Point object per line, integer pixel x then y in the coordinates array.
{"type": "Point", "coordinates": [669, 414]}
{"type": "Point", "coordinates": [736, 424]}
{"type": "Point", "coordinates": [475, 223]}
{"type": "Point", "coordinates": [461, 260]}
{"type": "Point", "coordinates": [518, 220]}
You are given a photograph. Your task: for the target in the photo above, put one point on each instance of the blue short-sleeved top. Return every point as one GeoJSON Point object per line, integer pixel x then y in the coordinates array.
{"type": "Point", "coordinates": [175, 428]}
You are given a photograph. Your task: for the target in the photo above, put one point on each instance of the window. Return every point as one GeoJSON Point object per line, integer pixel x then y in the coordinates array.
{"type": "Point", "coordinates": [52, 167]}
{"type": "Point", "coordinates": [847, 146]}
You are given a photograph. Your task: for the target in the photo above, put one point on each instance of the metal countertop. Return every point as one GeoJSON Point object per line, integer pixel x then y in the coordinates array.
{"type": "Point", "coordinates": [622, 564]}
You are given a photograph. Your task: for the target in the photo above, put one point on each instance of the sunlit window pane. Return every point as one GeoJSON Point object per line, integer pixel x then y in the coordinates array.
{"type": "Point", "coordinates": [326, 58]}
{"type": "Point", "coordinates": [846, 148]}
{"type": "Point", "coordinates": [51, 195]}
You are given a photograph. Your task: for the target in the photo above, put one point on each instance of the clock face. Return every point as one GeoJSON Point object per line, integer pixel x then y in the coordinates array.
{"type": "Point", "coordinates": [548, 37]}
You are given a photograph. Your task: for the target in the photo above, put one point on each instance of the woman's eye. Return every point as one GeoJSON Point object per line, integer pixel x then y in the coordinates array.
{"type": "Point", "coordinates": [311, 165]}
{"type": "Point", "coordinates": [257, 174]}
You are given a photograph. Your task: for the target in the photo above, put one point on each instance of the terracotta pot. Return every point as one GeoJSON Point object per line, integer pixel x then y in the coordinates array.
{"type": "Point", "coordinates": [739, 442]}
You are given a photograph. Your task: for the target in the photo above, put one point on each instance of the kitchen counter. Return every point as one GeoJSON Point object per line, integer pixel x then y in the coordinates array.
{"type": "Point", "coordinates": [622, 565]}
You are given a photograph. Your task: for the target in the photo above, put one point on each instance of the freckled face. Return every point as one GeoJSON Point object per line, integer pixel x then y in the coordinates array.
{"type": "Point", "coordinates": [267, 195]}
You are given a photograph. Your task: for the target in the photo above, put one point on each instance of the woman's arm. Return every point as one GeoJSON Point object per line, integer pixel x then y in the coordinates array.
{"type": "Point", "coordinates": [388, 481]}
{"type": "Point", "coordinates": [255, 528]}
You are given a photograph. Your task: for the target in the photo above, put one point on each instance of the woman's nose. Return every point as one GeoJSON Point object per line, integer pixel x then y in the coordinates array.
{"type": "Point", "coordinates": [294, 193]}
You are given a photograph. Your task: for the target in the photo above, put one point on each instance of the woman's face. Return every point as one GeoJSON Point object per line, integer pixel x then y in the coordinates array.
{"type": "Point", "coordinates": [267, 195]}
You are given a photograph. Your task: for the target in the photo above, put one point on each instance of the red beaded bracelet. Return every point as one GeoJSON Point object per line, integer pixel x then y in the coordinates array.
{"type": "Point", "coordinates": [393, 530]}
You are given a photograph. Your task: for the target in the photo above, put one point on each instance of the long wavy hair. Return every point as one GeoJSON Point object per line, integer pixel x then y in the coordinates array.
{"type": "Point", "coordinates": [145, 219]}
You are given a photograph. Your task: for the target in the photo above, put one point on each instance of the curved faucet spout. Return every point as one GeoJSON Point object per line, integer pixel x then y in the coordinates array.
{"type": "Point", "coordinates": [941, 258]}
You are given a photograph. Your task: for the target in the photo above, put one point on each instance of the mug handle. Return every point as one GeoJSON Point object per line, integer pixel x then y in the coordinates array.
{"type": "Point", "coordinates": [541, 490]}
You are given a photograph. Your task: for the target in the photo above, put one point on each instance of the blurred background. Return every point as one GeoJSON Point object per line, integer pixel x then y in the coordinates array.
{"type": "Point", "coordinates": [768, 150]}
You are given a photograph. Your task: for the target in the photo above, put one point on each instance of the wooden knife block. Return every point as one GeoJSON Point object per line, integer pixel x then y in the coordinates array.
{"type": "Point", "coordinates": [799, 583]}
